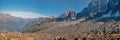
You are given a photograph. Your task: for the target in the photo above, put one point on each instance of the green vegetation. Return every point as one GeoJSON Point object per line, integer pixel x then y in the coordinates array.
{"type": "Point", "coordinates": [9, 38]}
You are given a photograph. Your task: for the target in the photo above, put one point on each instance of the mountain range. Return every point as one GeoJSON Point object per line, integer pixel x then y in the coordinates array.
{"type": "Point", "coordinates": [98, 19]}
{"type": "Point", "coordinates": [96, 10]}
{"type": "Point", "coordinates": [95, 15]}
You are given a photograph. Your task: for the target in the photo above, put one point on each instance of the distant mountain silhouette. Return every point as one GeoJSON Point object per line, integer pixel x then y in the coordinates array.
{"type": "Point", "coordinates": [11, 23]}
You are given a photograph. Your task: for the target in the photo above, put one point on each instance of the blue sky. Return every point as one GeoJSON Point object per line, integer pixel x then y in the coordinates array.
{"type": "Point", "coordinates": [41, 7]}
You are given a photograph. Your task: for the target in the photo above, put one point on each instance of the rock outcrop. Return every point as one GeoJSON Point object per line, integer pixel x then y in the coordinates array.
{"type": "Point", "coordinates": [68, 15]}
{"type": "Point", "coordinates": [100, 9]}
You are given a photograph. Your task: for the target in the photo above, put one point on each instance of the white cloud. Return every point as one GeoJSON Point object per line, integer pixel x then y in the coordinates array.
{"type": "Point", "coordinates": [24, 14]}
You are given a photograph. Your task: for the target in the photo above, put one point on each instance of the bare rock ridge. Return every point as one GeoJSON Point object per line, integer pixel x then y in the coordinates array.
{"type": "Point", "coordinates": [100, 9]}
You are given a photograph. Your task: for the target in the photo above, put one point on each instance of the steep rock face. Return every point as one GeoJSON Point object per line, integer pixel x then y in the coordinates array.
{"type": "Point", "coordinates": [68, 15]}
{"type": "Point", "coordinates": [100, 9]}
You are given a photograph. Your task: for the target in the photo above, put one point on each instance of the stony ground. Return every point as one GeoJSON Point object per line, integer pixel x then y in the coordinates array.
{"type": "Point", "coordinates": [79, 31]}
{"type": "Point", "coordinates": [4, 35]}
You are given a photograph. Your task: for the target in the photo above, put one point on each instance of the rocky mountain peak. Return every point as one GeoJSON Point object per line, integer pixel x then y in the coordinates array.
{"type": "Point", "coordinates": [71, 14]}
{"type": "Point", "coordinates": [98, 8]}
{"type": "Point", "coordinates": [67, 15]}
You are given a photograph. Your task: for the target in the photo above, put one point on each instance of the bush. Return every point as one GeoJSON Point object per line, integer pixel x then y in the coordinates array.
{"type": "Point", "coordinates": [8, 38]}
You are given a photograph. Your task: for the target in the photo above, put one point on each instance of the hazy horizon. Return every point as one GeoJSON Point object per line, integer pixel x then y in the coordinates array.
{"type": "Point", "coordinates": [40, 8]}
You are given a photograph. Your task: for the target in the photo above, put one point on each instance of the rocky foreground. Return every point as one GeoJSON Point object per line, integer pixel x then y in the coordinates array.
{"type": "Point", "coordinates": [4, 35]}
{"type": "Point", "coordinates": [99, 31]}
